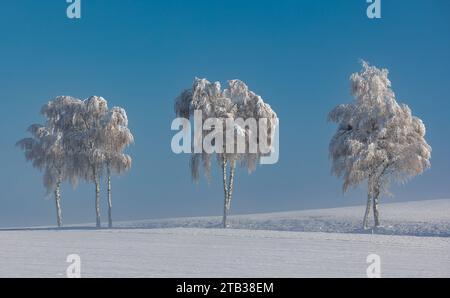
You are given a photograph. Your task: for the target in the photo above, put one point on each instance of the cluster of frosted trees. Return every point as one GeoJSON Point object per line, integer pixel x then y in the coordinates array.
{"type": "Point", "coordinates": [377, 142]}
{"type": "Point", "coordinates": [80, 139]}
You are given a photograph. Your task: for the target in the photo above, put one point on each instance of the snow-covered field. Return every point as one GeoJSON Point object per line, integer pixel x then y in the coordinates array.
{"type": "Point", "coordinates": [421, 218]}
{"type": "Point", "coordinates": [292, 244]}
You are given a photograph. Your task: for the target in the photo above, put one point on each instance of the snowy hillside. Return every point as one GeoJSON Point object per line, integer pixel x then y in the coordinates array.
{"type": "Point", "coordinates": [167, 248]}
{"type": "Point", "coordinates": [211, 253]}
{"type": "Point", "coordinates": [422, 218]}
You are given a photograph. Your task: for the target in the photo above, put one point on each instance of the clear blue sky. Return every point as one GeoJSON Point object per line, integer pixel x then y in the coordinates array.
{"type": "Point", "coordinates": [140, 54]}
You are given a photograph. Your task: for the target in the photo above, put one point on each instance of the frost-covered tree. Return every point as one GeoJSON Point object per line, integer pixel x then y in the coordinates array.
{"type": "Point", "coordinates": [116, 136]}
{"type": "Point", "coordinates": [378, 140]}
{"type": "Point", "coordinates": [84, 134]}
{"type": "Point", "coordinates": [235, 103]}
{"type": "Point", "coordinates": [98, 136]}
{"type": "Point", "coordinates": [46, 150]}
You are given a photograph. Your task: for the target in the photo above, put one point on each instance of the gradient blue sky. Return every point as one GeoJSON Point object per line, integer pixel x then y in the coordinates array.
{"type": "Point", "coordinates": [140, 54]}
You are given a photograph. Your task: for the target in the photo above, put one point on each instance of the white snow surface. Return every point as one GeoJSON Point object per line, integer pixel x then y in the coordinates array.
{"type": "Point", "coordinates": [267, 245]}
{"type": "Point", "coordinates": [420, 218]}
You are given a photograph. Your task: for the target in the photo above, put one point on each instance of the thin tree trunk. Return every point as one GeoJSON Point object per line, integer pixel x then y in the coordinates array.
{"type": "Point", "coordinates": [225, 190]}
{"type": "Point", "coordinates": [58, 203]}
{"type": "Point", "coordinates": [110, 224]}
{"type": "Point", "coordinates": [231, 185]}
{"type": "Point", "coordinates": [366, 215]}
{"type": "Point", "coordinates": [97, 202]}
{"type": "Point", "coordinates": [376, 213]}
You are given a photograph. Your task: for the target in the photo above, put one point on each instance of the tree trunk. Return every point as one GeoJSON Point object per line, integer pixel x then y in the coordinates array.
{"type": "Point", "coordinates": [376, 213]}
{"type": "Point", "coordinates": [231, 185]}
{"type": "Point", "coordinates": [58, 203]}
{"type": "Point", "coordinates": [110, 224]}
{"type": "Point", "coordinates": [225, 190]}
{"type": "Point", "coordinates": [366, 215]}
{"type": "Point", "coordinates": [97, 202]}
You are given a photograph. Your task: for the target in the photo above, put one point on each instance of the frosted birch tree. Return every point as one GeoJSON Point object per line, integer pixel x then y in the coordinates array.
{"type": "Point", "coordinates": [238, 105]}
{"type": "Point", "coordinates": [83, 134]}
{"type": "Point", "coordinates": [95, 109]}
{"type": "Point", "coordinates": [46, 149]}
{"type": "Point", "coordinates": [115, 137]}
{"type": "Point", "coordinates": [378, 141]}
{"type": "Point", "coordinates": [98, 138]}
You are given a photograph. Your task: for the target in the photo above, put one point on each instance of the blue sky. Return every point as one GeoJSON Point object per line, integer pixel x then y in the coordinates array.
{"type": "Point", "coordinates": [141, 54]}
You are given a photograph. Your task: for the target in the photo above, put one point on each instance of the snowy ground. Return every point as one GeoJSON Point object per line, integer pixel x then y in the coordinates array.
{"type": "Point", "coordinates": [166, 248]}
{"type": "Point", "coordinates": [422, 218]}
